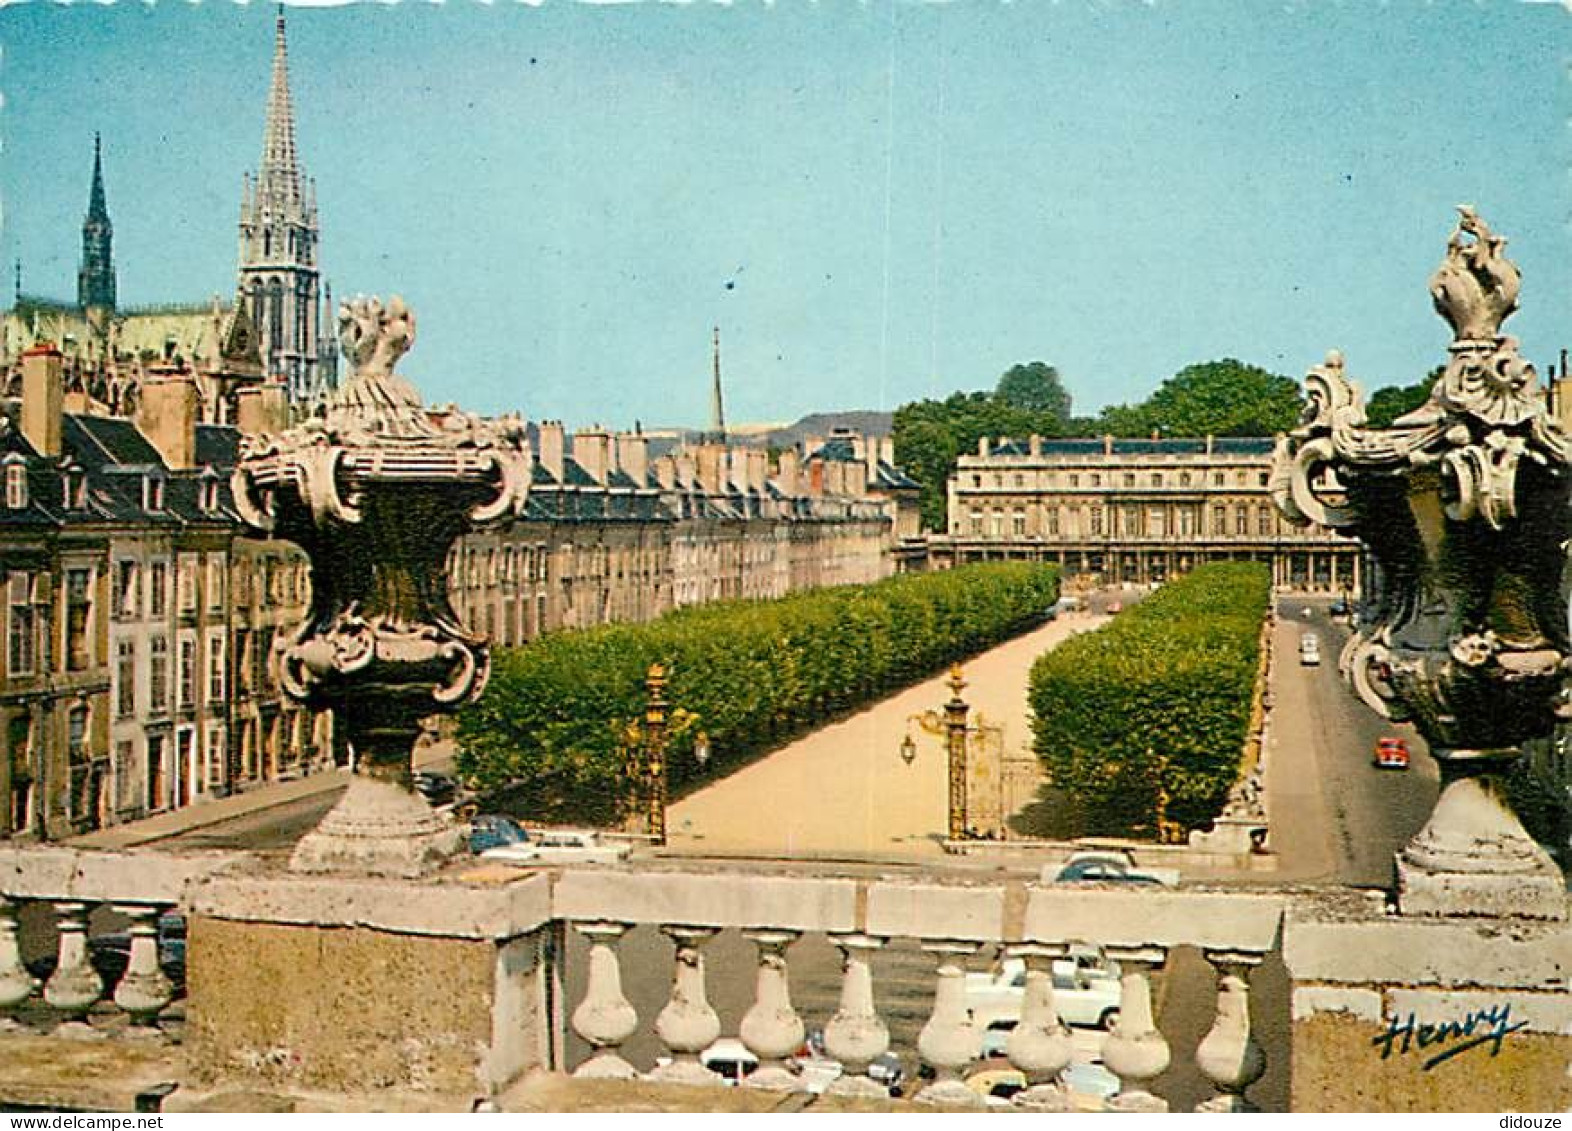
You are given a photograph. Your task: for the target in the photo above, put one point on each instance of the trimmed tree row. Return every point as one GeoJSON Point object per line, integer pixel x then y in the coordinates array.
{"type": "Point", "coordinates": [1141, 724]}
{"type": "Point", "coordinates": [560, 714]}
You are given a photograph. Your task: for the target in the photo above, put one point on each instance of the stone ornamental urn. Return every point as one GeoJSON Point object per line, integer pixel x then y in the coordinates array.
{"type": "Point", "coordinates": [1463, 505]}
{"type": "Point", "coordinates": [375, 491]}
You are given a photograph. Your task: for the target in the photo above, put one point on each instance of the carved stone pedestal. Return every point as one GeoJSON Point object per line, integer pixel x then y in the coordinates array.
{"type": "Point", "coordinates": [1473, 858]}
{"type": "Point", "coordinates": [380, 829]}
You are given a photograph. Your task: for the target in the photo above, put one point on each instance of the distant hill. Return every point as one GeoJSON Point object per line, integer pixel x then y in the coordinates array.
{"type": "Point", "coordinates": [867, 422]}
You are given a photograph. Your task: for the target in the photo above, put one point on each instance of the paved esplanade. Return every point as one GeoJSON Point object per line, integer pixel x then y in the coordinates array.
{"type": "Point", "coordinates": [844, 790]}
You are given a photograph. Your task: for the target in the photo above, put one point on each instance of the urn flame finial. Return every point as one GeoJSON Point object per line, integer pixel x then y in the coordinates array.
{"type": "Point", "coordinates": [1476, 287]}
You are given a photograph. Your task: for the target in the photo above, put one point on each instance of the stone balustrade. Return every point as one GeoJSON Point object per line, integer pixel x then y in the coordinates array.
{"type": "Point", "coordinates": [466, 983]}
{"type": "Point", "coordinates": [138, 887]}
{"type": "Point", "coordinates": [949, 921]}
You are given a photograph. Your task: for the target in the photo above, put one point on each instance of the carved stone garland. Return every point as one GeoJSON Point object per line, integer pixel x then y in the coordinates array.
{"type": "Point", "coordinates": [1463, 504]}
{"type": "Point", "coordinates": [376, 491]}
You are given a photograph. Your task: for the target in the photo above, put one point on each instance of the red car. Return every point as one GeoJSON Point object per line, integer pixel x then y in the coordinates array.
{"type": "Point", "coordinates": [1391, 754]}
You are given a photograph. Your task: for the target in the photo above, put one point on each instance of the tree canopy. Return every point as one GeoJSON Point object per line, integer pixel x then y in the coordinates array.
{"type": "Point", "coordinates": [1214, 398]}
{"type": "Point", "coordinates": [1035, 387]}
{"type": "Point", "coordinates": [1389, 402]}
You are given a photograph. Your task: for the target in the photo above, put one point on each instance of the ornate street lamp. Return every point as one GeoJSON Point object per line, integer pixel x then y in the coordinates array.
{"type": "Point", "coordinates": [376, 491]}
{"type": "Point", "coordinates": [1463, 504]}
{"type": "Point", "coordinates": [952, 724]}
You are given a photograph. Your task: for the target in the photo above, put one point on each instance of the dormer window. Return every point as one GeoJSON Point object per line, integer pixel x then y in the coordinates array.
{"type": "Point", "coordinates": [152, 493]}
{"type": "Point", "coordinates": [16, 486]}
{"type": "Point", "coordinates": [73, 489]}
{"type": "Point", "coordinates": [207, 494]}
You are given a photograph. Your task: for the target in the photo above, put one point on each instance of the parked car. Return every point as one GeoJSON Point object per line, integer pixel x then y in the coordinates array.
{"type": "Point", "coordinates": [1391, 754]}
{"type": "Point", "coordinates": [1085, 991]}
{"type": "Point", "coordinates": [559, 846]}
{"type": "Point", "coordinates": [1310, 649]}
{"type": "Point", "coordinates": [437, 789]}
{"type": "Point", "coordinates": [996, 1082]}
{"type": "Point", "coordinates": [1111, 868]}
{"type": "Point", "coordinates": [493, 830]}
{"type": "Point", "coordinates": [1339, 608]}
{"type": "Point", "coordinates": [1089, 1084]}
{"type": "Point", "coordinates": [729, 1059]}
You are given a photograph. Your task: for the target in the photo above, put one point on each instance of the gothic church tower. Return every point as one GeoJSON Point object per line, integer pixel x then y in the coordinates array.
{"type": "Point", "coordinates": [95, 280]}
{"type": "Point", "coordinates": [279, 275]}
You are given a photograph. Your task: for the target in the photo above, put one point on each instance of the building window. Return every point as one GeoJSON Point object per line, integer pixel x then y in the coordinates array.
{"type": "Point", "coordinates": [1053, 521]}
{"type": "Point", "coordinates": [157, 589]}
{"type": "Point", "coordinates": [1018, 524]}
{"type": "Point", "coordinates": [188, 674]}
{"type": "Point", "coordinates": [79, 643]}
{"type": "Point", "coordinates": [1097, 522]}
{"type": "Point", "coordinates": [73, 490]}
{"type": "Point", "coordinates": [23, 633]}
{"type": "Point", "coordinates": [1241, 521]}
{"type": "Point", "coordinates": [215, 757]}
{"type": "Point", "coordinates": [1219, 520]}
{"type": "Point", "coordinates": [215, 670]}
{"type": "Point", "coordinates": [1184, 479]}
{"type": "Point", "coordinates": [1157, 479]}
{"type": "Point", "coordinates": [16, 486]}
{"type": "Point", "coordinates": [125, 676]}
{"type": "Point", "coordinates": [1097, 480]}
{"type": "Point", "coordinates": [19, 741]}
{"type": "Point", "coordinates": [186, 582]}
{"type": "Point", "coordinates": [1217, 478]}
{"type": "Point", "coordinates": [127, 580]}
{"type": "Point", "coordinates": [217, 569]}
{"type": "Point", "coordinates": [977, 524]}
{"type": "Point", "coordinates": [1075, 480]}
{"type": "Point", "coordinates": [152, 493]}
{"type": "Point", "coordinates": [158, 674]}
{"type": "Point", "coordinates": [1263, 521]}
{"type": "Point", "coordinates": [76, 734]}
{"type": "Point", "coordinates": [1129, 479]}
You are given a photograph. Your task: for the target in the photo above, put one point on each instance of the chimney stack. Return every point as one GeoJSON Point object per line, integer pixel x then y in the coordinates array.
{"type": "Point", "coordinates": [983, 445]}
{"type": "Point", "coordinates": [666, 472]}
{"type": "Point", "coordinates": [592, 452]}
{"type": "Point", "coordinates": [166, 413]}
{"type": "Point", "coordinates": [43, 386]}
{"type": "Point", "coordinates": [550, 433]}
{"type": "Point", "coordinates": [633, 456]}
{"type": "Point", "coordinates": [710, 459]}
{"type": "Point", "coordinates": [1035, 445]}
{"type": "Point", "coordinates": [787, 473]}
{"type": "Point", "coordinates": [261, 409]}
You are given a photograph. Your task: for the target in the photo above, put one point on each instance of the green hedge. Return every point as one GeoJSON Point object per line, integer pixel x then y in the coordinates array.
{"type": "Point", "coordinates": [1158, 700]}
{"type": "Point", "coordinates": [751, 674]}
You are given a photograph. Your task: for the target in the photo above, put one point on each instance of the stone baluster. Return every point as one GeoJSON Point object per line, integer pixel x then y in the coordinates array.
{"type": "Point", "coordinates": [75, 986]}
{"type": "Point", "coordinates": [144, 989]}
{"type": "Point", "coordinates": [856, 1036]}
{"type": "Point", "coordinates": [1135, 1051]}
{"type": "Point", "coordinates": [771, 1028]}
{"type": "Point", "coordinates": [1229, 1055]}
{"type": "Point", "coordinates": [688, 1025]}
{"type": "Point", "coordinates": [16, 984]}
{"type": "Point", "coordinates": [1040, 1044]}
{"type": "Point", "coordinates": [949, 1042]}
{"type": "Point", "coordinates": [605, 1018]}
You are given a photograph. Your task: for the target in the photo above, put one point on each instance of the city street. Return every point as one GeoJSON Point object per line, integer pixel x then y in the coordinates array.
{"type": "Point", "coordinates": [1335, 816]}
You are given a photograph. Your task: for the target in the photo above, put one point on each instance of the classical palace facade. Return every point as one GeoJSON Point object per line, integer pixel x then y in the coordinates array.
{"type": "Point", "coordinates": [1134, 511]}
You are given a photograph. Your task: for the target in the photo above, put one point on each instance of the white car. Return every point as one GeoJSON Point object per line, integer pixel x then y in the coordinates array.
{"type": "Point", "coordinates": [1085, 991]}
{"type": "Point", "coordinates": [1309, 649]}
{"type": "Point", "coordinates": [559, 846]}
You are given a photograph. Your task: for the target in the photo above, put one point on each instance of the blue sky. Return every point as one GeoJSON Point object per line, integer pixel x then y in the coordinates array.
{"type": "Point", "coordinates": [876, 203]}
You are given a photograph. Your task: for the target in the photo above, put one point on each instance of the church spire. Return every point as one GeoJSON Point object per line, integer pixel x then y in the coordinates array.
{"type": "Point", "coordinates": [280, 172]}
{"type": "Point", "coordinates": [717, 408]}
{"type": "Point", "coordinates": [95, 279]}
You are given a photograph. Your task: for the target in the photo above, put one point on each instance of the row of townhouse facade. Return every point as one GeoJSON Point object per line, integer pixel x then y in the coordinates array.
{"type": "Point", "coordinates": [611, 533]}
{"type": "Point", "coordinates": [134, 678]}
{"type": "Point", "coordinates": [141, 619]}
{"type": "Point", "coordinates": [1134, 512]}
